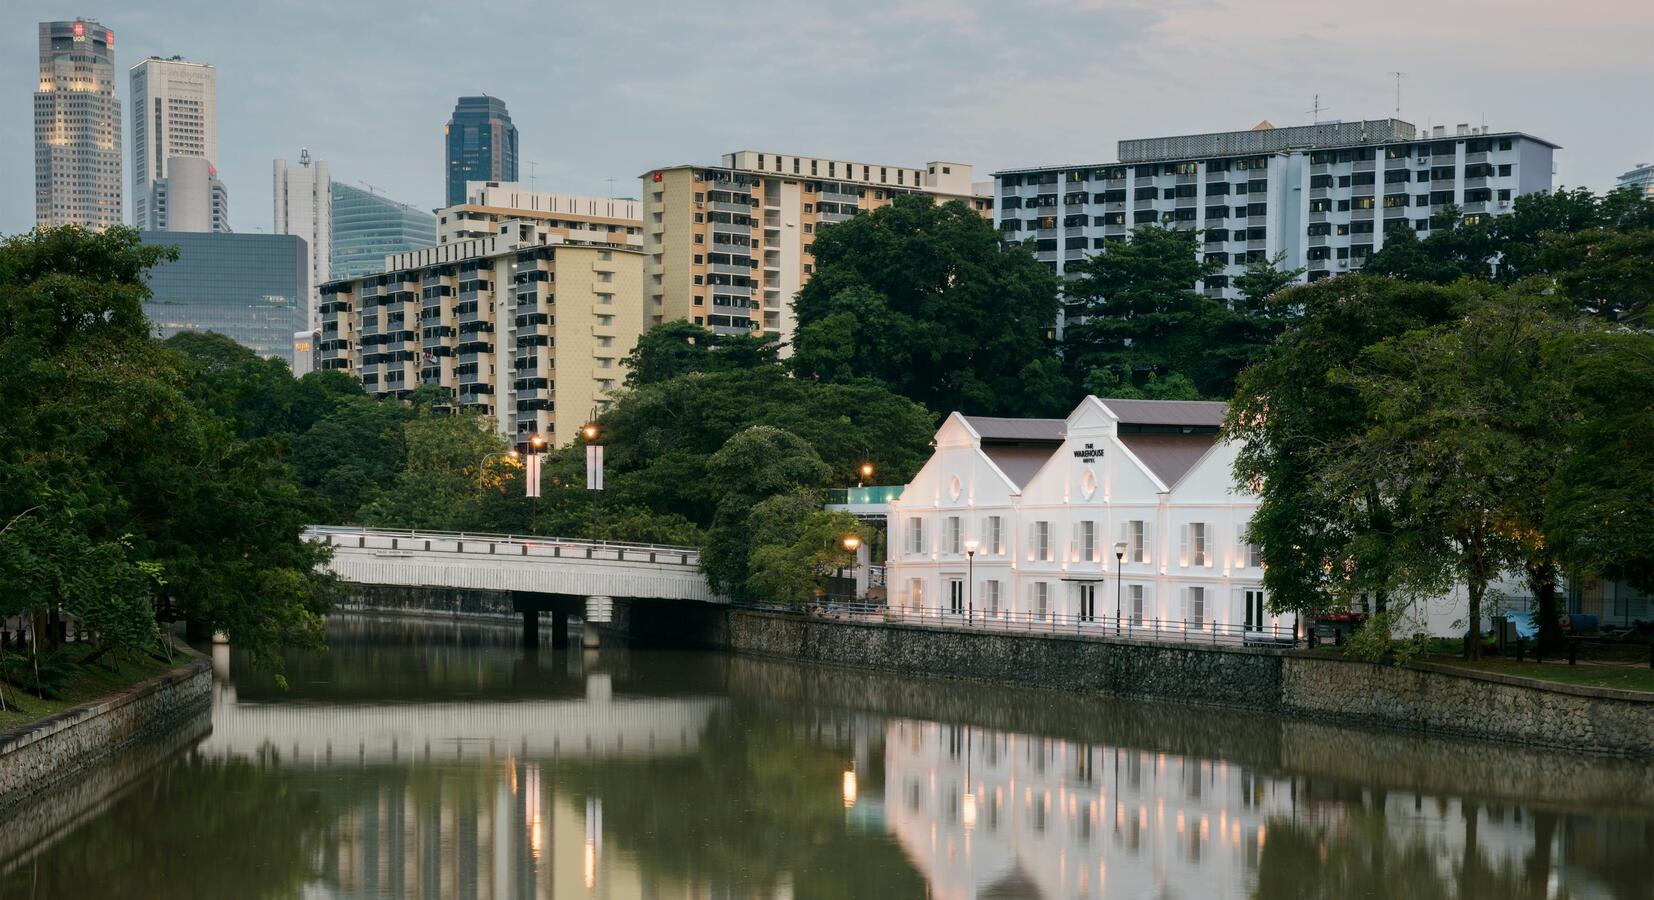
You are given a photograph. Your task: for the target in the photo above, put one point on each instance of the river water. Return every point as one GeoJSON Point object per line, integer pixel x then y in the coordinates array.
{"type": "Point", "coordinates": [431, 760]}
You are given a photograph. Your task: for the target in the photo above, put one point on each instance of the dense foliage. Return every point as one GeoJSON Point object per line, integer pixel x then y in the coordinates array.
{"type": "Point", "coordinates": [126, 493]}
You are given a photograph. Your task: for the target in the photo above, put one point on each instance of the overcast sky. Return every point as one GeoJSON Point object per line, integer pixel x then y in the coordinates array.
{"type": "Point", "coordinates": [603, 91]}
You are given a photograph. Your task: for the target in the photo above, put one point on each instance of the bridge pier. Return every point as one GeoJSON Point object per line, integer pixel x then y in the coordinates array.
{"type": "Point", "coordinates": [559, 629]}
{"type": "Point", "coordinates": [531, 628]}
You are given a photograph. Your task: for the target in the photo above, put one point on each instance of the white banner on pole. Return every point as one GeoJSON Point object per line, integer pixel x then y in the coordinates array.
{"type": "Point", "coordinates": [531, 475]}
{"type": "Point", "coordinates": [594, 467]}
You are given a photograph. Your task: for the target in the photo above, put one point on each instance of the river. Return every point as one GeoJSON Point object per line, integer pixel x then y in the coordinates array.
{"type": "Point", "coordinates": [428, 760]}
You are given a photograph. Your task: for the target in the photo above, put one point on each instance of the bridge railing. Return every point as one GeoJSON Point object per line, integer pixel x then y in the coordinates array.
{"type": "Point", "coordinates": [410, 541]}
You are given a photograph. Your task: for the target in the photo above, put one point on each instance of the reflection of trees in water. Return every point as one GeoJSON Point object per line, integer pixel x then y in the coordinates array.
{"type": "Point", "coordinates": [198, 828]}
{"type": "Point", "coordinates": [758, 805]}
{"type": "Point", "coordinates": [1367, 851]}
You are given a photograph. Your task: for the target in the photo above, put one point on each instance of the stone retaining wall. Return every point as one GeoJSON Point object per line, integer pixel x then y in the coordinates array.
{"type": "Point", "coordinates": [1424, 698]}
{"type": "Point", "coordinates": [41, 756]}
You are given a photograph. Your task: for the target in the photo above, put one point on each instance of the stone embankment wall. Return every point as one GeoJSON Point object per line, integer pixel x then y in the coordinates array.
{"type": "Point", "coordinates": [1420, 698]}
{"type": "Point", "coordinates": [42, 756]}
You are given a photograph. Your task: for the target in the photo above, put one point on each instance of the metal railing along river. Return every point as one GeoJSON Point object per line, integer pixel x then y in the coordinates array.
{"type": "Point", "coordinates": [1129, 628]}
{"type": "Point", "coordinates": [409, 541]}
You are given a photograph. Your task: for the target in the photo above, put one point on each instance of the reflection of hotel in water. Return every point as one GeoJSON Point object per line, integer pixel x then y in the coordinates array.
{"type": "Point", "coordinates": [985, 813]}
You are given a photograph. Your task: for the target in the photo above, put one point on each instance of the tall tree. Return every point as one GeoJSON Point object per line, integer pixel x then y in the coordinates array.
{"type": "Point", "coordinates": [755, 465]}
{"type": "Point", "coordinates": [1134, 312]}
{"type": "Point", "coordinates": [680, 348]}
{"type": "Point", "coordinates": [924, 299]}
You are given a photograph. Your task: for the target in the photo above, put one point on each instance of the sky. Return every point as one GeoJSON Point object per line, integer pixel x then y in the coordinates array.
{"type": "Point", "coordinates": [602, 92]}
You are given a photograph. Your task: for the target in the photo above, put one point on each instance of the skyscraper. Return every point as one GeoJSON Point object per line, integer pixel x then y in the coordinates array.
{"type": "Point", "coordinates": [174, 114]}
{"type": "Point", "coordinates": [304, 206]}
{"type": "Point", "coordinates": [482, 145]}
{"type": "Point", "coordinates": [77, 127]}
{"type": "Point", "coordinates": [366, 227]}
{"type": "Point", "coordinates": [251, 288]}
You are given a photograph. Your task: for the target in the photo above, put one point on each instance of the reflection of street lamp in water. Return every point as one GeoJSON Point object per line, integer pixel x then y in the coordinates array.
{"type": "Point", "coordinates": [849, 788]}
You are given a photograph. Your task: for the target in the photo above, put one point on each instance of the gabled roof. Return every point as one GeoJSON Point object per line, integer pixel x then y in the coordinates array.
{"type": "Point", "coordinates": [1169, 456]}
{"type": "Point", "coordinates": [998, 428]}
{"type": "Point", "coordinates": [1197, 413]}
{"type": "Point", "coordinates": [1019, 463]}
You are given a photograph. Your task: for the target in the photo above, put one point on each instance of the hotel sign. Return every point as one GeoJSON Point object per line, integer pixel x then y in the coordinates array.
{"type": "Point", "coordinates": [1088, 455]}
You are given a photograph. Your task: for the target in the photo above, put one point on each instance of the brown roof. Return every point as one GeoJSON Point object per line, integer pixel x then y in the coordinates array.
{"type": "Point", "coordinates": [1169, 456]}
{"type": "Point", "coordinates": [1019, 463]}
{"type": "Point", "coordinates": [1207, 413]}
{"type": "Point", "coordinates": [996, 428]}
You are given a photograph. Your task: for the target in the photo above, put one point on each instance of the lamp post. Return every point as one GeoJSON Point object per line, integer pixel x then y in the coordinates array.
{"type": "Point", "coordinates": [851, 543]}
{"type": "Point", "coordinates": [866, 472]}
{"type": "Point", "coordinates": [1119, 573]}
{"type": "Point", "coordinates": [970, 581]}
{"type": "Point", "coordinates": [594, 466]}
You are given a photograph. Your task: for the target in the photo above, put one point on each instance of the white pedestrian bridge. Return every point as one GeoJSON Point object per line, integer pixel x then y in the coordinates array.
{"type": "Point", "coordinates": [508, 562]}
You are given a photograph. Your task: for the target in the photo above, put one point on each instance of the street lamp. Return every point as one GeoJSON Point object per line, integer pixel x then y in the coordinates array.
{"type": "Point", "coordinates": [970, 581]}
{"type": "Point", "coordinates": [1119, 573]}
{"type": "Point", "coordinates": [851, 542]}
{"type": "Point", "coordinates": [866, 471]}
{"type": "Point", "coordinates": [589, 431]}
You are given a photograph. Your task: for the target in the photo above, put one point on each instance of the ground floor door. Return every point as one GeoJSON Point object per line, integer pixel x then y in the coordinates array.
{"type": "Point", "coordinates": [1254, 620]}
{"type": "Point", "coordinates": [956, 596]}
{"type": "Point", "coordinates": [1088, 602]}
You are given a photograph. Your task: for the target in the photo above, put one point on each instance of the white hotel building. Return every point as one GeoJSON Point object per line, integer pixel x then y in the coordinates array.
{"type": "Point", "coordinates": [1045, 504]}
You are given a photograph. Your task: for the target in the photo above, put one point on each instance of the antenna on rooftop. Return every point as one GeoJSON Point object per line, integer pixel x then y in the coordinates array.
{"type": "Point", "coordinates": [1399, 76]}
{"type": "Point", "coordinates": [532, 165]}
{"type": "Point", "coordinates": [372, 188]}
{"type": "Point", "coordinates": [611, 188]}
{"type": "Point", "coordinates": [1317, 109]}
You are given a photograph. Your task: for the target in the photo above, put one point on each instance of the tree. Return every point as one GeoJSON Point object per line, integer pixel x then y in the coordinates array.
{"type": "Point", "coordinates": [452, 463]}
{"type": "Point", "coordinates": [924, 299]}
{"type": "Point", "coordinates": [1134, 312]}
{"type": "Point", "coordinates": [680, 348]}
{"type": "Point", "coordinates": [1458, 421]}
{"type": "Point", "coordinates": [755, 465]}
{"type": "Point", "coordinates": [117, 479]}
{"type": "Point", "coordinates": [1262, 279]}
{"type": "Point", "coordinates": [1295, 413]}
{"type": "Point", "coordinates": [797, 545]}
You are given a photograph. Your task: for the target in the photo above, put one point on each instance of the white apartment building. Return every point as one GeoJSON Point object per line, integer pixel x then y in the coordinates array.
{"type": "Point", "coordinates": [77, 128]}
{"type": "Point", "coordinates": [174, 114]}
{"type": "Point", "coordinates": [1323, 195]}
{"type": "Point", "coordinates": [303, 197]}
{"type": "Point", "coordinates": [1045, 503]}
{"type": "Point", "coordinates": [592, 220]}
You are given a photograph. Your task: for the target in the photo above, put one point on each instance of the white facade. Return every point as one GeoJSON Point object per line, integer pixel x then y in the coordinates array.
{"type": "Point", "coordinates": [304, 206]}
{"type": "Point", "coordinates": [1047, 501]}
{"type": "Point", "coordinates": [1322, 195]}
{"type": "Point", "coordinates": [189, 198]}
{"type": "Point", "coordinates": [174, 114]}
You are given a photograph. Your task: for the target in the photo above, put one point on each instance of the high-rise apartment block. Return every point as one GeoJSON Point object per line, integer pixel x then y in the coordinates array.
{"type": "Point", "coordinates": [481, 145]}
{"type": "Point", "coordinates": [522, 324]}
{"type": "Point", "coordinates": [1319, 196]}
{"type": "Point", "coordinates": [77, 127]}
{"type": "Point", "coordinates": [728, 246]}
{"type": "Point", "coordinates": [367, 227]}
{"type": "Point", "coordinates": [489, 204]}
{"type": "Point", "coordinates": [174, 115]}
{"type": "Point", "coordinates": [304, 206]}
{"type": "Point", "coordinates": [1640, 179]}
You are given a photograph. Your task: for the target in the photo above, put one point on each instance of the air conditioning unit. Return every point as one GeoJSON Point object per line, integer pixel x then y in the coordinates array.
{"type": "Point", "coordinates": [1343, 264]}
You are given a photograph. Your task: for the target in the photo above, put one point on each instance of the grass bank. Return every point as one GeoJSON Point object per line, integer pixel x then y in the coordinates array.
{"type": "Point", "coordinates": [108, 675]}
{"type": "Point", "coordinates": [1620, 676]}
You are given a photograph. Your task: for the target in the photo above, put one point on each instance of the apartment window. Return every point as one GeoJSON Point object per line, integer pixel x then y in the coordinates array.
{"type": "Point", "coordinates": [915, 527]}
{"type": "Point", "coordinates": [954, 536]}
{"type": "Point", "coordinates": [1039, 601]}
{"type": "Point", "coordinates": [1194, 607]}
{"type": "Point", "coordinates": [1504, 170]}
{"type": "Point", "coordinates": [993, 533]}
{"type": "Point", "coordinates": [1041, 540]}
{"type": "Point", "coordinates": [1135, 592]}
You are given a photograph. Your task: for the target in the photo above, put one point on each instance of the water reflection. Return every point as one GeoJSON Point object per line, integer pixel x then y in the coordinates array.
{"type": "Point", "coordinates": [423, 761]}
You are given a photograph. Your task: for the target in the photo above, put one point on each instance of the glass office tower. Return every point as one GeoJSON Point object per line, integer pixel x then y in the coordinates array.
{"type": "Point", "coordinates": [481, 145]}
{"type": "Point", "coordinates": [367, 226]}
{"type": "Point", "coordinates": [252, 288]}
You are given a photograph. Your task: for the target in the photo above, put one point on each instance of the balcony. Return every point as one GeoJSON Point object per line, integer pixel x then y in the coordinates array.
{"type": "Point", "coordinates": [1317, 240]}
{"type": "Point", "coordinates": [1320, 169]}
{"type": "Point", "coordinates": [831, 217]}
{"type": "Point", "coordinates": [729, 207]}
{"type": "Point", "coordinates": [1364, 190]}
{"type": "Point", "coordinates": [1479, 181]}
{"type": "Point", "coordinates": [1365, 165]}
{"type": "Point", "coordinates": [1317, 215]}
{"type": "Point", "coordinates": [839, 197]}
{"type": "Point", "coordinates": [1143, 204]}
{"type": "Point", "coordinates": [1257, 221]}
{"type": "Point", "coordinates": [1319, 193]}
{"type": "Point", "coordinates": [1187, 202]}
{"type": "Point", "coordinates": [1474, 206]}
{"type": "Point", "coordinates": [733, 290]}
{"type": "Point", "coordinates": [729, 269]}
{"type": "Point", "coordinates": [1399, 162]}
{"type": "Point", "coordinates": [1473, 158]}
{"type": "Point", "coordinates": [1368, 213]}
{"type": "Point", "coordinates": [1114, 206]}
{"type": "Point", "coordinates": [730, 228]}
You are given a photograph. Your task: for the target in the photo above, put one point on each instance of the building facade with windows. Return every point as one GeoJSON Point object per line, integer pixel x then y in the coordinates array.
{"type": "Point", "coordinates": [252, 288]}
{"type": "Point", "coordinates": [1319, 196]}
{"type": "Point", "coordinates": [593, 220]}
{"type": "Point", "coordinates": [728, 246]}
{"type": "Point", "coordinates": [523, 325]}
{"type": "Point", "coordinates": [189, 198]}
{"type": "Point", "coordinates": [1640, 179]}
{"type": "Point", "coordinates": [480, 144]}
{"type": "Point", "coordinates": [77, 128]}
{"type": "Point", "coordinates": [174, 115]}
{"type": "Point", "coordinates": [365, 227]}
{"type": "Point", "coordinates": [303, 205]}
{"type": "Point", "coordinates": [1043, 503]}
